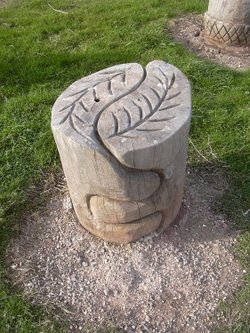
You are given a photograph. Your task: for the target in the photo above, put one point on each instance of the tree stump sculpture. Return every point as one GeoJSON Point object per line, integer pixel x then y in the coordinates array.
{"type": "Point", "coordinates": [122, 138]}
{"type": "Point", "coordinates": [227, 24]}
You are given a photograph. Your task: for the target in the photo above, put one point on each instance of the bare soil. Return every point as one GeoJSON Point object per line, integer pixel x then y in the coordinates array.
{"type": "Point", "coordinates": [188, 31]}
{"type": "Point", "coordinates": [4, 3]}
{"type": "Point", "coordinates": [170, 283]}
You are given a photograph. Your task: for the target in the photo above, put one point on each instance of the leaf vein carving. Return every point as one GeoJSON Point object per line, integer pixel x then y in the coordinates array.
{"type": "Point", "coordinates": [143, 119]}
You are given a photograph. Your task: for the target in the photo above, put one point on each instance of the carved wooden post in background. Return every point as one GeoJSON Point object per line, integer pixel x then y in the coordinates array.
{"type": "Point", "coordinates": [122, 137]}
{"type": "Point", "coordinates": [227, 23]}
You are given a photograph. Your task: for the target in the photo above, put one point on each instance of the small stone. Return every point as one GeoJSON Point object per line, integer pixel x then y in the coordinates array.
{"type": "Point", "coordinates": [196, 33]}
{"type": "Point", "coordinates": [106, 292]}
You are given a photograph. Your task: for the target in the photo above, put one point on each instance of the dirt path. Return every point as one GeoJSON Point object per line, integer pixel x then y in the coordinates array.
{"type": "Point", "coordinates": [171, 283]}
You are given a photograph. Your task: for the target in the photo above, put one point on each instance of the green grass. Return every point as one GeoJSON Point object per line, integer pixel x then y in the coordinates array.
{"type": "Point", "coordinates": [42, 52]}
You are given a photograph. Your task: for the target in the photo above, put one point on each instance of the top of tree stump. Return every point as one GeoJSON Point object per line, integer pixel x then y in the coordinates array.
{"type": "Point", "coordinates": [131, 111]}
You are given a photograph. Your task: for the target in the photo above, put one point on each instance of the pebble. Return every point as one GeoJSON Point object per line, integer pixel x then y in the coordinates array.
{"type": "Point", "coordinates": [197, 33]}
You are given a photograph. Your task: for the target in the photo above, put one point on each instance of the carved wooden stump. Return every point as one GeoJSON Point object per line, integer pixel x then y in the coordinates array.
{"type": "Point", "coordinates": [227, 24]}
{"type": "Point", "coordinates": [122, 137]}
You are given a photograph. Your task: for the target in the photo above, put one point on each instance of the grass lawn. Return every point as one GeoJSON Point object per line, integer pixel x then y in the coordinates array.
{"type": "Point", "coordinates": [43, 51]}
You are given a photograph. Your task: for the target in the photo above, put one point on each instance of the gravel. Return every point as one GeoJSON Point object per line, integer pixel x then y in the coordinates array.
{"type": "Point", "coordinates": [170, 283]}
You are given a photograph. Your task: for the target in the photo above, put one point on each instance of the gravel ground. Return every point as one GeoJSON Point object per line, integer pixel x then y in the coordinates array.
{"type": "Point", "coordinates": [170, 283]}
{"type": "Point", "coordinates": [4, 3]}
{"type": "Point", "coordinates": [187, 30]}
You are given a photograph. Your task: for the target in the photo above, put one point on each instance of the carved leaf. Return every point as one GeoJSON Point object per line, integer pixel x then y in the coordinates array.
{"type": "Point", "coordinates": [90, 88]}
{"type": "Point", "coordinates": [146, 109]}
{"type": "Point", "coordinates": [80, 106]}
{"type": "Point", "coordinates": [132, 127]}
{"type": "Point", "coordinates": [126, 110]}
{"type": "Point", "coordinates": [145, 118]}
